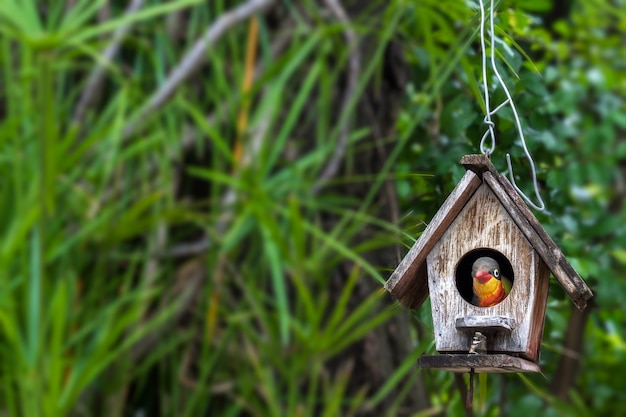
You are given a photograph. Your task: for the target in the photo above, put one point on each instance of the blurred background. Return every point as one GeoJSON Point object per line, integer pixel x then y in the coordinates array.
{"type": "Point", "coordinates": [201, 201]}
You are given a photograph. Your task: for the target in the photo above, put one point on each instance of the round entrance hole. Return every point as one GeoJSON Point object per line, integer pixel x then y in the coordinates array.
{"type": "Point", "coordinates": [464, 280]}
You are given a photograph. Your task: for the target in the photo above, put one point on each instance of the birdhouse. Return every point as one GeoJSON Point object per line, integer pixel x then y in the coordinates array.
{"type": "Point", "coordinates": [486, 261]}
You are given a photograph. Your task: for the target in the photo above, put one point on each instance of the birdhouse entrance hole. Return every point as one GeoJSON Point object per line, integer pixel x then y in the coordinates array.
{"type": "Point", "coordinates": [463, 271]}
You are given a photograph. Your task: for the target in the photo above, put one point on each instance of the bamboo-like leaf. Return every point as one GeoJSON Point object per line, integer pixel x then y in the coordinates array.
{"type": "Point", "coordinates": [22, 15]}
{"type": "Point", "coordinates": [518, 47]}
{"type": "Point", "coordinates": [293, 115]}
{"type": "Point", "coordinates": [19, 231]}
{"type": "Point", "coordinates": [407, 365]}
{"type": "Point", "coordinates": [278, 282]}
{"type": "Point", "coordinates": [218, 141]}
{"type": "Point", "coordinates": [482, 392]}
{"type": "Point", "coordinates": [34, 298]}
{"type": "Point", "coordinates": [73, 37]}
{"type": "Point", "coordinates": [335, 391]}
{"type": "Point", "coordinates": [340, 312]}
{"type": "Point", "coordinates": [79, 14]}
{"type": "Point", "coordinates": [473, 84]}
{"type": "Point", "coordinates": [57, 321]}
{"type": "Point", "coordinates": [562, 406]}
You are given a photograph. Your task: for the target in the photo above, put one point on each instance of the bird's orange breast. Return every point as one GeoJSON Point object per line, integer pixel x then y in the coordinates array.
{"type": "Point", "coordinates": [490, 293]}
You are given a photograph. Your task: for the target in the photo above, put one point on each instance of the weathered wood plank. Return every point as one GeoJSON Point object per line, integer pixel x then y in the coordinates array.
{"type": "Point", "coordinates": [539, 310]}
{"type": "Point", "coordinates": [478, 164]}
{"type": "Point", "coordinates": [569, 279]}
{"type": "Point", "coordinates": [485, 324]}
{"type": "Point", "coordinates": [409, 282]}
{"type": "Point", "coordinates": [482, 363]}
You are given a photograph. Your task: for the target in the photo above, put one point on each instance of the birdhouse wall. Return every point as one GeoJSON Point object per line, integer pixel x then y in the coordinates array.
{"type": "Point", "coordinates": [483, 224]}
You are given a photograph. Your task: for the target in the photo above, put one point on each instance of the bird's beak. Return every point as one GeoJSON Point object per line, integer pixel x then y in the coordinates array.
{"type": "Point", "coordinates": [482, 276]}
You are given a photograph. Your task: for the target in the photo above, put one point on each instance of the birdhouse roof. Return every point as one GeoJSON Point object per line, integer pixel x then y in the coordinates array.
{"type": "Point", "coordinates": [409, 282]}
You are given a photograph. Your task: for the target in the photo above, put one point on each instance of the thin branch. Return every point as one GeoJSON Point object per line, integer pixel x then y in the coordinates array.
{"type": "Point", "coordinates": [194, 58]}
{"type": "Point", "coordinates": [96, 78]}
{"type": "Point", "coordinates": [189, 248]}
{"type": "Point", "coordinates": [354, 69]}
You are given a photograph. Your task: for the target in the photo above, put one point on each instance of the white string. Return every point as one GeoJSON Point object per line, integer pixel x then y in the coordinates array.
{"type": "Point", "coordinates": [509, 100]}
{"type": "Point", "coordinates": [490, 125]}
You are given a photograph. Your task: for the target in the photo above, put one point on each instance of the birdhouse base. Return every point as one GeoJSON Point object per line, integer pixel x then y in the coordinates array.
{"type": "Point", "coordinates": [479, 363]}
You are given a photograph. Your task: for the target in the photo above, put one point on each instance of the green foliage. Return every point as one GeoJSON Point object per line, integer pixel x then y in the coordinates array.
{"type": "Point", "coordinates": [86, 205]}
{"type": "Point", "coordinates": [89, 211]}
{"type": "Point", "coordinates": [74, 298]}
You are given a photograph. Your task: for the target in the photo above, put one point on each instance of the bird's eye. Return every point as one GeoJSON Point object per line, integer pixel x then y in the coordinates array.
{"type": "Point", "coordinates": [496, 273]}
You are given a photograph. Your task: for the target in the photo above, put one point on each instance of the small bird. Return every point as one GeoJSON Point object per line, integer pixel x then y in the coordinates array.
{"type": "Point", "coordinates": [490, 287]}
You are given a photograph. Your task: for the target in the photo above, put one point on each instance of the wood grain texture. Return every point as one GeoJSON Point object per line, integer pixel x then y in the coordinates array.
{"type": "Point", "coordinates": [551, 254]}
{"type": "Point", "coordinates": [485, 224]}
{"type": "Point", "coordinates": [539, 311]}
{"type": "Point", "coordinates": [499, 363]}
{"type": "Point", "coordinates": [485, 324]}
{"type": "Point", "coordinates": [409, 282]}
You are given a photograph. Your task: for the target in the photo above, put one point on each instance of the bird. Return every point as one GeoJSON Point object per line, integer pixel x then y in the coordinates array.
{"type": "Point", "coordinates": [489, 286]}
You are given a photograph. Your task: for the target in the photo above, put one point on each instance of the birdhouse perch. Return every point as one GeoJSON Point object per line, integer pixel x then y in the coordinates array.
{"type": "Point", "coordinates": [485, 260]}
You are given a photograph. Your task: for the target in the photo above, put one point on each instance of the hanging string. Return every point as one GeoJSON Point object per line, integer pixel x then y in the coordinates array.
{"type": "Point", "coordinates": [490, 133]}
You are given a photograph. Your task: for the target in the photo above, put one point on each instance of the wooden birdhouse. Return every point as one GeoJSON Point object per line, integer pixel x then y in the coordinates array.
{"type": "Point", "coordinates": [484, 218]}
